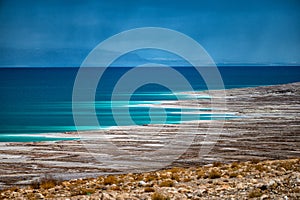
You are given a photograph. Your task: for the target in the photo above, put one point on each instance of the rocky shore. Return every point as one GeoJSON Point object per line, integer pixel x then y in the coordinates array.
{"type": "Point", "coordinates": [266, 128]}
{"type": "Point", "coordinates": [278, 179]}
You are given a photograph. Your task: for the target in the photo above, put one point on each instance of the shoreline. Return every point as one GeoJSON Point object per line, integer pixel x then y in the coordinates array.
{"type": "Point", "coordinates": [202, 94]}
{"type": "Point", "coordinates": [270, 131]}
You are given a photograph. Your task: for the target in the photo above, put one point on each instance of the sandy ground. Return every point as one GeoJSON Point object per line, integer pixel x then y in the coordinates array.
{"type": "Point", "coordinates": [267, 127]}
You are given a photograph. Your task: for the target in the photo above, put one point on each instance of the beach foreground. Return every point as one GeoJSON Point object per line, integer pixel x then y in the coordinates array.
{"type": "Point", "coordinates": [266, 127]}
{"type": "Point", "coordinates": [279, 179]}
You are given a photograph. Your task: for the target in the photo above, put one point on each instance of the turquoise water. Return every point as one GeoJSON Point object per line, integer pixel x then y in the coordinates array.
{"type": "Point", "coordinates": [39, 100]}
{"type": "Point", "coordinates": [31, 138]}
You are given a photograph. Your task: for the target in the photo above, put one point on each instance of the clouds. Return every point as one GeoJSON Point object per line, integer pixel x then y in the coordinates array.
{"type": "Point", "coordinates": [231, 31]}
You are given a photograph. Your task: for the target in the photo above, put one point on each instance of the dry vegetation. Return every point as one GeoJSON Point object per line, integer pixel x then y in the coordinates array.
{"type": "Point", "coordinates": [253, 179]}
{"type": "Point", "coordinates": [46, 182]}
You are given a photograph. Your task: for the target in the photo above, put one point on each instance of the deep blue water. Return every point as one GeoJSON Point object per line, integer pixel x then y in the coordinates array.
{"type": "Point", "coordinates": [38, 100]}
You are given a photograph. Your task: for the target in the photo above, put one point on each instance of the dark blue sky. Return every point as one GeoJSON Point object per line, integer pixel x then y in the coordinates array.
{"type": "Point", "coordinates": [61, 33]}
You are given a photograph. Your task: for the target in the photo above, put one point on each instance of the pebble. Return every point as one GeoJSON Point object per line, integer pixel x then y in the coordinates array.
{"type": "Point", "coordinates": [142, 183]}
{"type": "Point", "coordinates": [271, 183]}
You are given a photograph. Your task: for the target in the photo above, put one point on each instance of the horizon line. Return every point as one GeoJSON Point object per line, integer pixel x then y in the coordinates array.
{"type": "Point", "coordinates": [119, 66]}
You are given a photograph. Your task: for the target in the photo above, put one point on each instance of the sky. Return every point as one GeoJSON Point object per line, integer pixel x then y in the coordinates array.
{"type": "Point", "coordinates": [61, 33]}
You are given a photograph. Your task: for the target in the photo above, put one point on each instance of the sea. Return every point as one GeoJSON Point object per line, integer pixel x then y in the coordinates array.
{"type": "Point", "coordinates": [38, 100]}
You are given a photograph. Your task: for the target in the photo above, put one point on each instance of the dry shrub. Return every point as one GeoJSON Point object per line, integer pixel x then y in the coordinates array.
{"type": "Point", "coordinates": [46, 182]}
{"type": "Point", "coordinates": [217, 164]}
{"type": "Point", "coordinates": [175, 177]}
{"type": "Point", "coordinates": [233, 175]}
{"type": "Point", "coordinates": [175, 170]}
{"type": "Point", "coordinates": [11, 189]}
{"type": "Point", "coordinates": [35, 184]}
{"type": "Point", "coordinates": [116, 188]}
{"type": "Point", "coordinates": [248, 169]}
{"type": "Point", "coordinates": [164, 175]}
{"type": "Point", "coordinates": [158, 196]}
{"type": "Point", "coordinates": [151, 177]}
{"type": "Point", "coordinates": [286, 165]}
{"type": "Point", "coordinates": [214, 174]}
{"type": "Point", "coordinates": [234, 165]}
{"type": "Point", "coordinates": [149, 189]}
{"type": "Point", "coordinates": [255, 160]}
{"type": "Point", "coordinates": [138, 177]}
{"type": "Point", "coordinates": [255, 193]}
{"type": "Point", "coordinates": [187, 179]}
{"type": "Point", "coordinates": [167, 183]}
{"type": "Point", "coordinates": [200, 174]}
{"type": "Point", "coordinates": [260, 167]}
{"type": "Point", "coordinates": [109, 180]}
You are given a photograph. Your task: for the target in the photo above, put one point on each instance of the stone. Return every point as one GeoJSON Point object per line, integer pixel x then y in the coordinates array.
{"type": "Point", "coordinates": [189, 195]}
{"type": "Point", "coordinates": [272, 184]}
{"type": "Point", "coordinates": [39, 196]}
{"type": "Point", "coordinates": [66, 183]}
{"type": "Point", "coordinates": [239, 176]}
{"type": "Point", "coordinates": [51, 190]}
{"type": "Point", "coordinates": [142, 183]}
{"type": "Point", "coordinates": [106, 196]}
{"type": "Point", "coordinates": [240, 186]}
{"type": "Point", "coordinates": [254, 181]}
{"type": "Point", "coordinates": [200, 192]}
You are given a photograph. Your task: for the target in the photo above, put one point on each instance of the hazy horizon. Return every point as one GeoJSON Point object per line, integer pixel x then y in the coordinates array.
{"type": "Point", "coordinates": [62, 33]}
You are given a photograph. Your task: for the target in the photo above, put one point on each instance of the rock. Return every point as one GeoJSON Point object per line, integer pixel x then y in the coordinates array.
{"type": "Point", "coordinates": [272, 184]}
{"type": "Point", "coordinates": [51, 190]}
{"type": "Point", "coordinates": [142, 183]}
{"type": "Point", "coordinates": [225, 187]}
{"type": "Point", "coordinates": [264, 196]}
{"type": "Point", "coordinates": [66, 183]}
{"type": "Point", "coordinates": [200, 192]}
{"type": "Point", "coordinates": [106, 196]}
{"type": "Point", "coordinates": [240, 186]}
{"type": "Point", "coordinates": [28, 191]}
{"type": "Point", "coordinates": [182, 190]}
{"type": "Point", "coordinates": [189, 195]}
{"type": "Point", "coordinates": [254, 181]}
{"type": "Point", "coordinates": [39, 196]}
